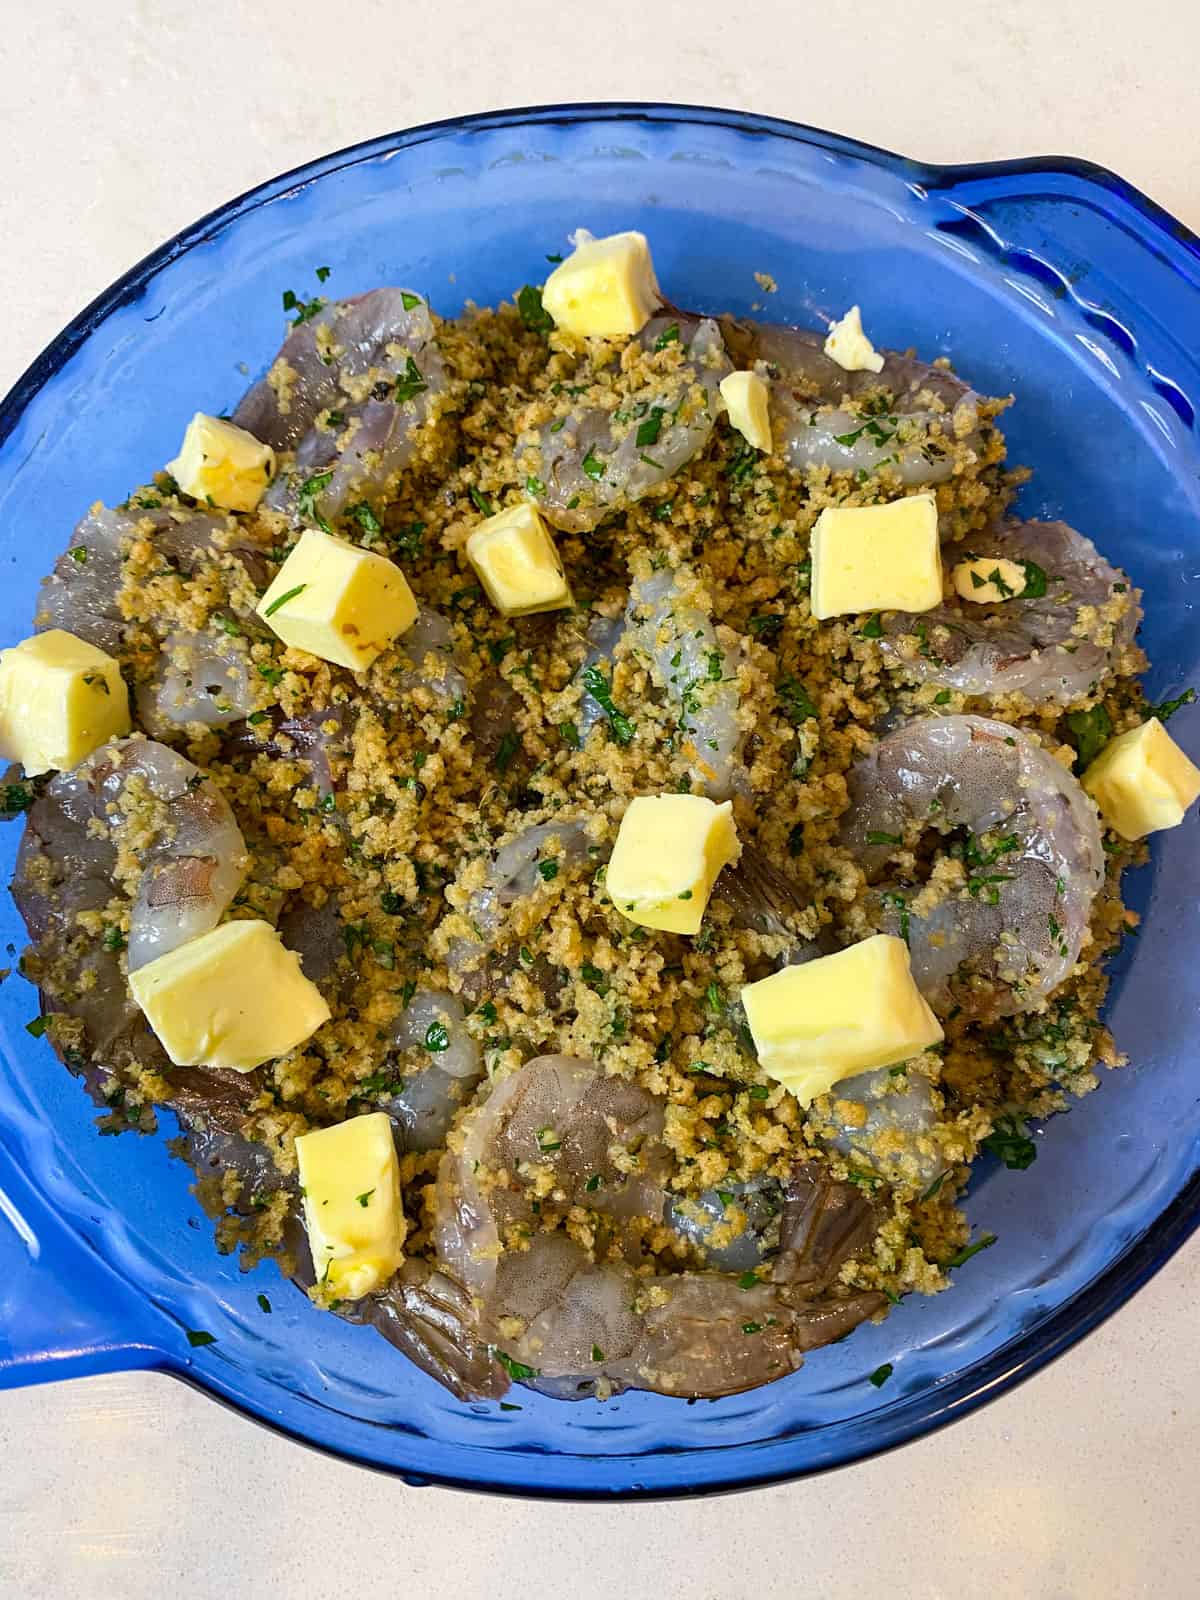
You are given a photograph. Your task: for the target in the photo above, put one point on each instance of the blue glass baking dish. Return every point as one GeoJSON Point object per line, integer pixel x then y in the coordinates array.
{"type": "Point", "coordinates": [1050, 279]}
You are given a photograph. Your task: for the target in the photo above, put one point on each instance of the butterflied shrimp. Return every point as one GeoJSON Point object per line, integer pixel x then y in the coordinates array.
{"type": "Point", "coordinates": [600, 458]}
{"type": "Point", "coordinates": [889, 1118]}
{"type": "Point", "coordinates": [1054, 644]}
{"type": "Point", "coordinates": [347, 392]}
{"type": "Point", "coordinates": [441, 1065]}
{"type": "Point", "coordinates": [82, 593]}
{"type": "Point", "coordinates": [910, 417]}
{"type": "Point", "coordinates": [1014, 906]}
{"type": "Point", "coordinates": [195, 860]}
{"type": "Point", "coordinates": [199, 677]}
{"type": "Point", "coordinates": [573, 1322]}
{"type": "Point", "coordinates": [669, 624]}
{"type": "Point", "coordinates": [597, 1136]}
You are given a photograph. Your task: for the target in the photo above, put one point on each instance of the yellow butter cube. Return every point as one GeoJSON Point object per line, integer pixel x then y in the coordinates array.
{"type": "Point", "coordinates": [235, 997]}
{"type": "Point", "coordinates": [60, 699]}
{"type": "Point", "coordinates": [746, 396]}
{"type": "Point", "coordinates": [849, 346]}
{"type": "Point", "coordinates": [337, 601]}
{"type": "Point", "coordinates": [1142, 781]}
{"type": "Point", "coordinates": [221, 463]}
{"type": "Point", "coordinates": [514, 556]}
{"type": "Point", "coordinates": [352, 1211]}
{"type": "Point", "coordinates": [669, 850]}
{"type": "Point", "coordinates": [988, 579]}
{"type": "Point", "coordinates": [877, 558]}
{"type": "Point", "coordinates": [605, 287]}
{"type": "Point", "coordinates": [816, 1024]}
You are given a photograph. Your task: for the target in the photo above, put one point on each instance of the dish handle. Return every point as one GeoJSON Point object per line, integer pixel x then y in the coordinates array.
{"type": "Point", "coordinates": [63, 1313]}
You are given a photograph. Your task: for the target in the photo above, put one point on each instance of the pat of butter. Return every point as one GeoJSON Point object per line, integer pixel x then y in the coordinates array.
{"type": "Point", "coordinates": [60, 699]}
{"type": "Point", "coordinates": [337, 601]}
{"type": "Point", "coordinates": [849, 346]}
{"type": "Point", "coordinates": [514, 556]}
{"type": "Point", "coordinates": [222, 463]}
{"type": "Point", "coordinates": [1142, 781]}
{"type": "Point", "coordinates": [234, 997]}
{"type": "Point", "coordinates": [669, 850]}
{"type": "Point", "coordinates": [746, 396]}
{"type": "Point", "coordinates": [828, 1019]}
{"type": "Point", "coordinates": [877, 558]}
{"type": "Point", "coordinates": [605, 287]}
{"type": "Point", "coordinates": [352, 1212]}
{"type": "Point", "coordinates": [988, 579]}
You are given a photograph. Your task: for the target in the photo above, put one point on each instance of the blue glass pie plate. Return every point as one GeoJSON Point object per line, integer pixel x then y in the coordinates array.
{"type": "Point", "coordinates": [1049, 279]}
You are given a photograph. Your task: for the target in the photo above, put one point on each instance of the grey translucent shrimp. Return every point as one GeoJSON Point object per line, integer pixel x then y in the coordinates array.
{"type": "Point", "coordinates": [347, 392]}
{"type": "Point", "coordinates": [199, 677]}
{"type": "Point", "coordinates": [915, 416]}
{"type": "Point", "coordinates": [603, 636]}
{"type": "Point", "coordinates": [590, 1130]}
{"type": "Point", "coordinates": [593, 462]}
{"type": "Point", "coordinates": [428, 647]}
{"type": "Point", "coordinates": [668, 623]}
{"type": "Point", "coordinates": [67, 863]}
{"type": "Point", "coordinates": [1008, 935]}
{"type": "Point", "coordinates": [572, 1321]}
{"type": "Point", "coordinates": [1021, 645]}
{"type": "Point", "coordinates": [893, 1126]}
{"type": "Point", "coordinates": [441, 1063]}
{"type": "Point", "coordinates": [513, 875]}
{"type": "Point", "coordinates": [81, 593]}
{"type": "Point", "coordinates": [194, 867]}
{"type": "Point", "coordinates": [731, 1226]}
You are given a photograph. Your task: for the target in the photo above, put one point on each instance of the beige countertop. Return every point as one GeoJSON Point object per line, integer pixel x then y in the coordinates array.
{"type": "Point", "coordinates": [123, 121]}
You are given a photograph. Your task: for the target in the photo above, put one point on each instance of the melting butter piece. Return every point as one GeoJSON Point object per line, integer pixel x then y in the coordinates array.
{"type": "Point", "coordinates": [234, 998]}
{"type": "Point", "coordinates": [1142, 781]}
{"type": "Point", "coordinates": [337, 601]}
{"type": "Point", "coordinates": [746, 396]}
{"type": "Point", "coordinates": [988, 579]}
{"type": "Point", "coordinates": [605, 287]}
{"type": "Point", "coordinates": [222, 464]}
{"type": "Point", "coordinates": [669, 850]}
{"type": "Point", "coordinates": [877, 558]}
{"type": "Point", "coordinates": [352, 1210]}
{"type": "Point", "coordinates": [831, 1018]}
{"type": "Point", "coordinates": [514, 556]}
{"type": "Point", "coordinates": [849, 346]}
{"type": "Point", "coordinates": [60, 699]}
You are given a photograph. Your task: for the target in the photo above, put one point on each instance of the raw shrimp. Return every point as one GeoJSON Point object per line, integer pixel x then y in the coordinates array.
{"type": "Point", "coordinates": [81, 594]}
{"type": "Point", "coordinates": [348, 392]}
{"type": "Point", "coordinates": [593, 462]}
{"type": "Point", "coordinates": [598, 1136]}
{"type": "Point", "coordinates": [432, 1032]}
{"type": "Point", "coordinates": [572, 1321]}
{"type": "Point", "coordinates": [67, 864]}
{"type": "Point", "coordinates": [199, 677]}
{"type": "Point", "coordinates": [1025, 646]}
{"type": "Point", "coordinates": [716, 1213]}
{"type": "Point", "coordinates": [603, 636]}
{"type": "Point", "coordinates": [893, 1129]}
{"type": "Point", "coordinates": [195, 865]}
{"type": "Point", "coordinates": [512, 876]}
{"type": "Point", "coordinates": [910, 416]}
{"type": "Point", "coordinates": [1008, 936]}
{"type": "Point", "coordinates": [668, 622]}
{"type": "Point", "coordinates": [429, 648]}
